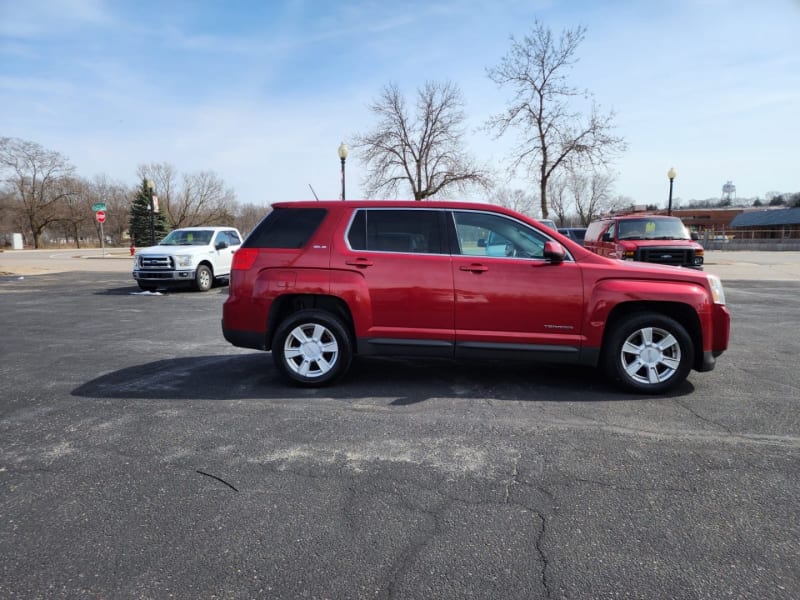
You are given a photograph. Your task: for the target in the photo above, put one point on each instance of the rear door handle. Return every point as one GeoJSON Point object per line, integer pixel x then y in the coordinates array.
{"type": "Point", "coordinates": [474, 268]}
{"type": "Point", "coordinates": [359, 262]}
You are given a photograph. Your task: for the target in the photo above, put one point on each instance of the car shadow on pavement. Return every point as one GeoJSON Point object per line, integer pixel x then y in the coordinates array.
{"type": "Point", "coordinates": [402, 382]}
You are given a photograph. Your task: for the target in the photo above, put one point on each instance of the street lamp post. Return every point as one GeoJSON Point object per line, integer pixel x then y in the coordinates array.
{"type": "Point", "coordinates": [152, 214]}
{"type": "Point", "coordinates": [671, 175]}
{"type": "Point", "coordinates": [343, 156]}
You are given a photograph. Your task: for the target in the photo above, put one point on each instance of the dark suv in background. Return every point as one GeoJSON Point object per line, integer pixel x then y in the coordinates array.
{"type": "Point", "coordinates": [320, 282]}
{"type": "Point", "coordinates": [576, 234]}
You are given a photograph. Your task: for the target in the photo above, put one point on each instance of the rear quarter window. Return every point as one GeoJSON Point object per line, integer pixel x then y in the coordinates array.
{"type": "Point", "coordinates": [286, 228]}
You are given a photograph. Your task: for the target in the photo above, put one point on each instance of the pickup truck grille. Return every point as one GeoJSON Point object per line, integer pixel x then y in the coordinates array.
{"type": "Point", "coordinates": [156, 262]}
{"type": "Point", "coordinates": [681, 257]}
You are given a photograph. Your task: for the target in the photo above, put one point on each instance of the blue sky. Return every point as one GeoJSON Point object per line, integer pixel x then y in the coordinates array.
{"type": "Point", "coordinates": [263, 92]}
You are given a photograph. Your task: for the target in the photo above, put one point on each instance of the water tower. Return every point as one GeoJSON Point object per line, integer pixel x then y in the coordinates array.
{"type": "Point", "coordinates": [728, 192]}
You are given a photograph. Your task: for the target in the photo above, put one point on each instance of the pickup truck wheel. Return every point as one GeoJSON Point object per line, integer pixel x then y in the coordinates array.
{"type": "Point", "coordinates": [312, 348]}
{"type": "Point", "coordinates": [203, 279]}
{"type": "Point", "coordinates": [649, 353]}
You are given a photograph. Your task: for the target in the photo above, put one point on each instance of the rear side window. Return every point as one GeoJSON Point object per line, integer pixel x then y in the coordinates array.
{"type": "Point", "coordinates": [382, 230]}
{"type": "Point", "coordinates": [286, 228]}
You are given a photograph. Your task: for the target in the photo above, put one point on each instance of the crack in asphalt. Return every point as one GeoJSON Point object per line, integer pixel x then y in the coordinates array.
{"type": "Point", "coordinates": [514, 478]}
{"type": "Point", "coordinates": [421, 539]}
{"type": "Point", "coordinates": [701, 417]}
{"type": "Point", "coordinates": [217, 478]}
{"type": "Point", "coordinates": [540, 551]}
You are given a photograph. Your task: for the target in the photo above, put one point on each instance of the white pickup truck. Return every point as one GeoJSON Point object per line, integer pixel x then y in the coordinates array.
{"type": "Point", "coordinates": [194, 256]}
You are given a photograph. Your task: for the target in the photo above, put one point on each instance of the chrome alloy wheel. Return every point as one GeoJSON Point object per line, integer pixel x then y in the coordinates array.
{"type": "Point", "coordinates": [650, 355]}
{"type": "Point", "coordinates": [311, 350]}
{"type": "Point", "coordinates": [205, 279]}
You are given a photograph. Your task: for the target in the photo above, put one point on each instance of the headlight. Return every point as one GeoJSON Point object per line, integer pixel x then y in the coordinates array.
{"type": "Point", "coordinates": [184, 261]}
{"type": "Point", "coordinates": [716, 289]}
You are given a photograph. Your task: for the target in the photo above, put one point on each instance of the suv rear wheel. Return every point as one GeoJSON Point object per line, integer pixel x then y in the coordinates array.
{"type": "Point", "coordinates": [648, 353]}
{"type": "Point", "coordinates": [312, 348]}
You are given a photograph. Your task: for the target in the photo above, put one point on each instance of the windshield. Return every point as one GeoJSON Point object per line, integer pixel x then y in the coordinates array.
{"type": "Point", "coordinates": [181, 237]}
{"type": "Point", "coordinates": [652, 229]}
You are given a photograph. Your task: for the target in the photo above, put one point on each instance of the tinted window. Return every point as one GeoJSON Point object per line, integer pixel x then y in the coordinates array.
{"type": "Point", "coordinates": [286, 228]}
{"type": "Point", "coordinates": [486, 234]}
{"type": "Point", "coordinates": [396, 231]}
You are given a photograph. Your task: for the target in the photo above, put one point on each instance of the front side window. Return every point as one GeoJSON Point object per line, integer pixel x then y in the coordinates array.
{"type": "Point", "coordinates": [486, 234]}
{"type": "Point", "coordinates": [396, 230]}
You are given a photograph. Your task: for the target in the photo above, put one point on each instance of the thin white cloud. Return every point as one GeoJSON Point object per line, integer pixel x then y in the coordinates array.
{"type": "Point", "coordinates": [43, 18]}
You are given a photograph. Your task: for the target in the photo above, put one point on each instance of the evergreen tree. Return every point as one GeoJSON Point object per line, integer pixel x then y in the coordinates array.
{"type": "Point", "coordinates": [140, 219]}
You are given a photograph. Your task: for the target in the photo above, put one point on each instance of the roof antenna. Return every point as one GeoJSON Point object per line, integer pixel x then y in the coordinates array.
{"type": "Point", "coordinates": [313, 192]}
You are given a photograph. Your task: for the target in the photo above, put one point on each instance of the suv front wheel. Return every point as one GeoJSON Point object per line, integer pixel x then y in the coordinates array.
{"type": "Point", "coordinates": [312, 348]}
{"type": "Point", "coordinates": [648, 353]}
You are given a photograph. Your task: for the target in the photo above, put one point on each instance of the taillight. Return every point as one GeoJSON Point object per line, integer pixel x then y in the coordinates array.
{"type": "Point", "coordinates": [244, 258]}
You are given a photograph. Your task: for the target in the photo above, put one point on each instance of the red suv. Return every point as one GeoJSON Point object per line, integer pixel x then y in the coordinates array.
{"type": "Point", "coordinates": [320, 282]}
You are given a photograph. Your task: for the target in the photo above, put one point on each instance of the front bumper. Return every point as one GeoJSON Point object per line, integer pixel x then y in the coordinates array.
{"type": "Point", "coordinates": [721, 319]}
{"type": "Point", "coordinates": [164, 277]}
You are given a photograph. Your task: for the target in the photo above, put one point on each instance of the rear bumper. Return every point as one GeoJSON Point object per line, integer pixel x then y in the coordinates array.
{"type": "Point", "coordinates": [244, 339]}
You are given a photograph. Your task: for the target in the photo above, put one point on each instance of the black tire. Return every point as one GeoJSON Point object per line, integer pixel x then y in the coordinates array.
{"type": "Point", "coordinates": [648, 353]}
{"type": "Point", "coordinates": [312, 348]}
{"type": "Point", "coordinates": [203, 279]}
{"type": "Point", "coordinates": [146, 287]}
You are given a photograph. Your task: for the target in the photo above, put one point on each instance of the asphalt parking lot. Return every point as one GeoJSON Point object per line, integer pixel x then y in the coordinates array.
{"type": "Point", "coordinates": [142, 456]}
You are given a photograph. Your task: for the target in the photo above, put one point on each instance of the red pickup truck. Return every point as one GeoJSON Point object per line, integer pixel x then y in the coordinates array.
{"type": "Point", "coordinates": [318, 283]}
{"type": "Point", "coordinates": [658, 239]}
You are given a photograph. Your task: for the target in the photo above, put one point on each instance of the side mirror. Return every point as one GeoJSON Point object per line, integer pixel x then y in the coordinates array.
{"type": "Point", "coordinates": [221, 245]}
{"type": "Point", "coordinates": [607, 237]}
{"type": "Point", "coordinates": [694, 235]}
{"type": "Point", "coordinates": [482, 243]}
{"type": "Point", "coordinates": [554, 252]}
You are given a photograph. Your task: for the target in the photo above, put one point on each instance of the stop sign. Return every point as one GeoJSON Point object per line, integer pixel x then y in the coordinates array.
{"type": "Point", "coordinates": [100, 215]}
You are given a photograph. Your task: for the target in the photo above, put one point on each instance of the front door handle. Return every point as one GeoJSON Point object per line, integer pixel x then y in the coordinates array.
{"type": "Point", "coordinates": [474, 268]}
{"type": "Point", "coordinates": [359, 262]}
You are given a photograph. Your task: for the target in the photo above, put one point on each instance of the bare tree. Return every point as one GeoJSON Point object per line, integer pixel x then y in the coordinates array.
{"type": "Point", "coordinates": [591, 193]}
{"type": "Point", "coordinates": [517, 200]}
{"type": "Point", "coordinates": [423, 150]}
{"type": "Point", "coordinates": [552, 132]}
{"type": "Point", "coordinates": [201, 199]}
{"type": "Point", "coordinates": [165, 185]}
{"type": "Point", "coordinates": [39, 179]}
{"type": "Point", "coordinates": [75, 212]}
{"type": "Point", "coordinates": [204, 200]}
{"type": "Point", "coordinates": [247, 217]}
{"type": "Point", "coordinates": [559, 198]}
